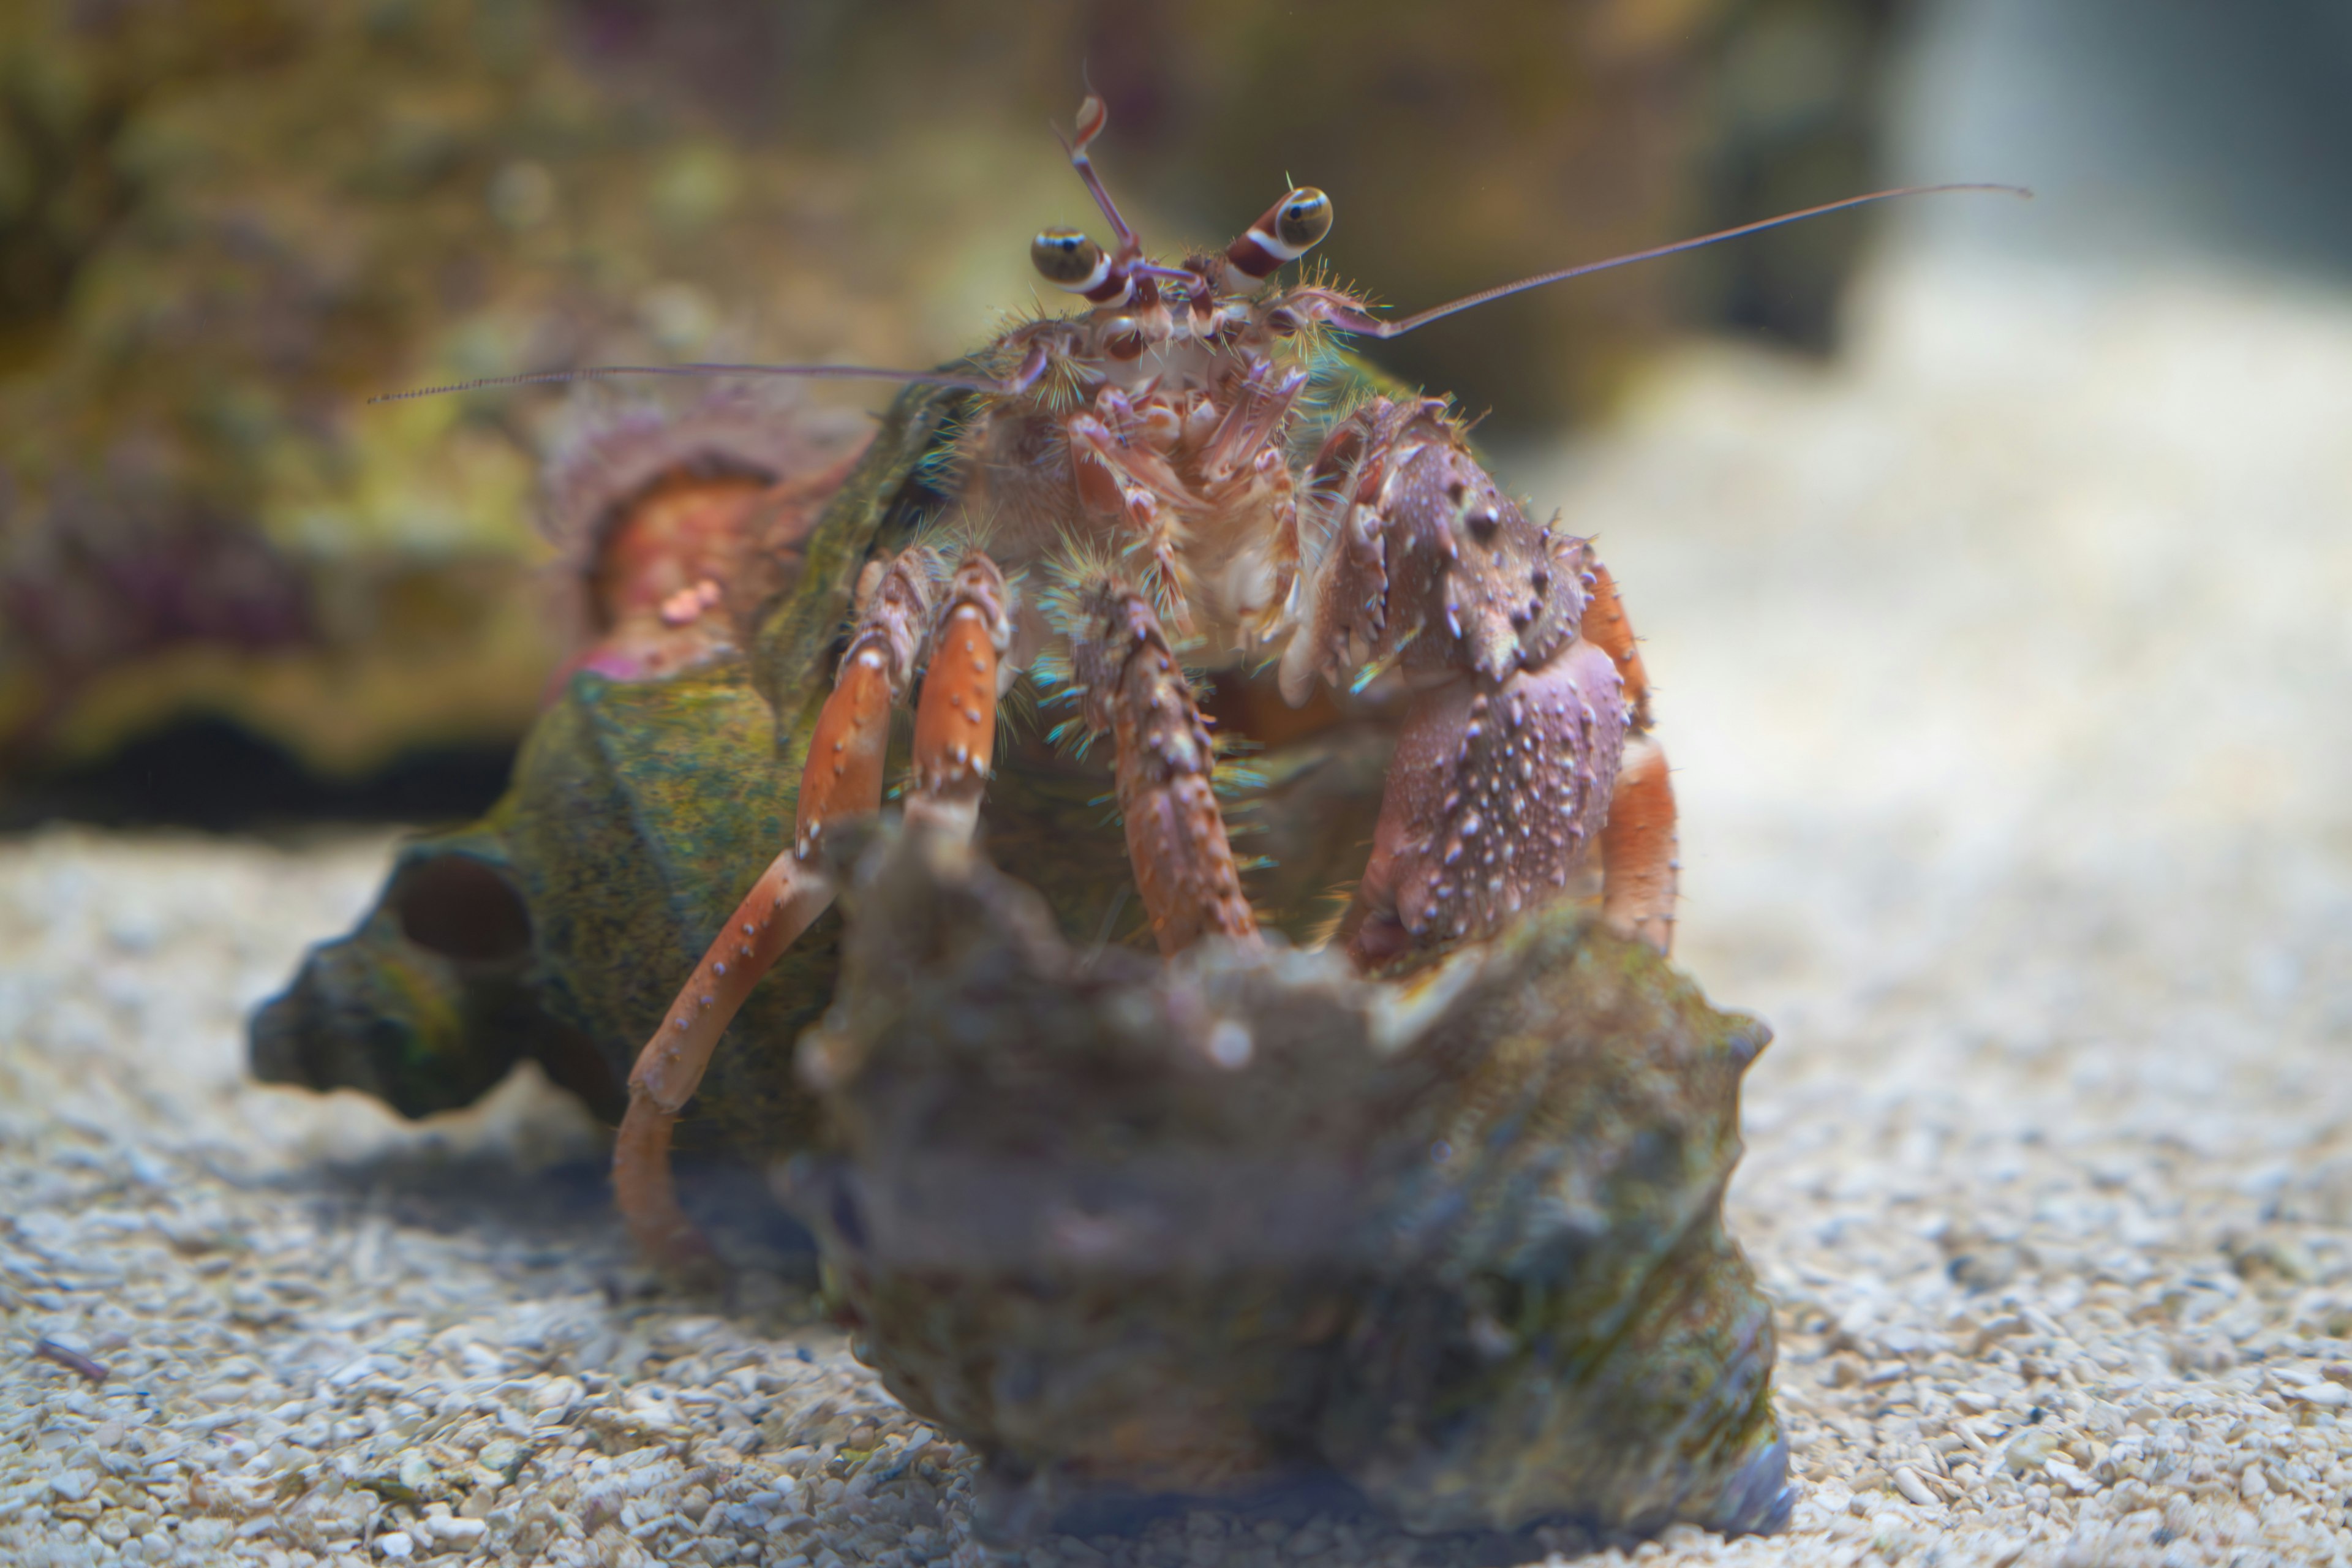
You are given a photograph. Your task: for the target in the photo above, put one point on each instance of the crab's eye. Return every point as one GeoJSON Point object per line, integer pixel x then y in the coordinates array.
{"type": "Point", "coordinates": [1068, 259]}
{"type": "Point", "coordinates": [1301, 219]}
{"type": "Point", "coordinates": [1290, 228]}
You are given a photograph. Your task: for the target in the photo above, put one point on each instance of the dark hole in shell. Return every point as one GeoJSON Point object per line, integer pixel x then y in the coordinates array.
{"type": "Point", "coordinates": [461, 909]}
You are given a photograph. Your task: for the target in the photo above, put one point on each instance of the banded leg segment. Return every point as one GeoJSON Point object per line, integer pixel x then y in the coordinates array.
{"type": "Point", "coordinates": [1606, 627]}
{"type": "Point", "coordinates": [1638, 855]}
{"type": "Point", "coordinates": [1176, 841]}
{"type": "Point", "coordinates": [1133, 484]}
{"type": "Point", "coordinates": [842, 778]}
{"type": "Point", "coordinates": [955, 723]}
{"type": "Point", "coordinates": [1639, 867]}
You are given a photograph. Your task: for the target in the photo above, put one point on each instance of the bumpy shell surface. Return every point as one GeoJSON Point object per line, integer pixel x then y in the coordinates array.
{"type": "Point", "coordinates": [1212, 1227]}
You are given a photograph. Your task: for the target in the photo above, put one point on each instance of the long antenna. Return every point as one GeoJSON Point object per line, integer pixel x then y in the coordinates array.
{"type": "Point", "coordinates": [812, 372]}
{"type": "Point", "coordinates": [1369, 326]}
{"type": "Point", "coordinates": [1344, 317]}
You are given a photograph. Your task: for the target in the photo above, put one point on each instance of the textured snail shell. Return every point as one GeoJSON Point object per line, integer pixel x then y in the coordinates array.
{"type": "Point", "coordinates": [1245, 1219]}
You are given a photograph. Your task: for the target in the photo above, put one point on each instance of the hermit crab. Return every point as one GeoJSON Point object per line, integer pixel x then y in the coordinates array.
{"type": "Point", "coordinates": [1134, 1162]}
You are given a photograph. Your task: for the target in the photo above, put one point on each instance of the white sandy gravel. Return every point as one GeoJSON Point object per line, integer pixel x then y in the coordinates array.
{"type": "Point", "coordinates": [2007, 669]}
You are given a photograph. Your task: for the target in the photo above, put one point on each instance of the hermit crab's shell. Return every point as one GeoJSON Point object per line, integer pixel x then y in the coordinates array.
{"type": "Point", "coordinates": [1245, 1219]}
{"type": "Point", "coordinates": [608, 455]}
{"type": "Point", "coordinates": [555, 928]}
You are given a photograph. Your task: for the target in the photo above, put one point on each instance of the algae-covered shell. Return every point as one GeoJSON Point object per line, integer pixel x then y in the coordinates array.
{"type": "Point", "coordinates": [557, 927]}
{"type": "Point", "coordinates": [1245, 1219]}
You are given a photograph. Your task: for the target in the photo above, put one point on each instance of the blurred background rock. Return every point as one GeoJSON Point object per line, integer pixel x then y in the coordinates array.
{"type": "Point", "coordinates": [230, 590]}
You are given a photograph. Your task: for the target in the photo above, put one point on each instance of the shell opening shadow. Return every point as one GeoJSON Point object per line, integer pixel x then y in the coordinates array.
{"type": "Point", "coordinates": [456, 906]}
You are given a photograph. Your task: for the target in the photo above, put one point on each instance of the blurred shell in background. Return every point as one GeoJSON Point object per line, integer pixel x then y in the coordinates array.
{"type": "Point", "coordinates": [225, 224]}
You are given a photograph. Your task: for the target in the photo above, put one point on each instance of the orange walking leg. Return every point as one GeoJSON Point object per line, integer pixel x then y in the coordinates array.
{"type": "Point", "coordinates": [841, 778]}
{"type": "Point", "coordinates": [1606, 628]}
{"type": "Point", "coordinates": [955, 723]}
{"type": "Point", "coordinates": [1184, 870]}
{"type": "Point", "coordinates": [1639, 869]}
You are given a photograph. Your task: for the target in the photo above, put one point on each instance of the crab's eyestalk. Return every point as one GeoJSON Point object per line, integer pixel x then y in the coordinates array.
{"type": "Point", "coordinates": [1290, 228]}
{"type": "Point", "coordinates": [1070, 261]}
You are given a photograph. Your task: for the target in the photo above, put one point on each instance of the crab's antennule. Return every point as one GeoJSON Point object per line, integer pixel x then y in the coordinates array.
{"type": "Point", "coordinates": [609, 372]}
{"type": "Point", "coordinates": [1068, 259]}
{"type": "Point", "coordinates": [1092, 117]}
{"type": "Point", "coordinates": [1352, 322]}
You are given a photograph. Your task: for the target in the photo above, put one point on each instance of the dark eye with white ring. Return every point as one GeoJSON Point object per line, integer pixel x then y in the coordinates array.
{"type": "Point", "coordinates": [1068, 259]}
{"type": "Point", "coordinates": [1301, 219]}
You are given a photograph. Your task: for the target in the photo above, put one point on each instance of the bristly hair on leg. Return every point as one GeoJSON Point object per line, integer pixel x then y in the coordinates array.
{"type": "Point", "coordinates": [924, 546]}
{"type": "Point", "coordinates": [1020, 714]}
{"type": "Point", "coordinates": [1061, 386]}
{"type": "Point", "coordinates": [1315, 338]}
{"type": "Point", "coordinates": [1239, 785]}
{"type": "Point", "coordinates": [1018, 705]}
{"type": "Point", "coordinates": [1064, 385]}
{"type": "Point", "coordinates": [1337, 899]}
{"type": "Point", "coordinates": [1337, 385]}
{"type": "Point", "coordinates": [1235, 781]}
{"type": "Point", "coordinates": [950, 538]}
{"type": "Point", "coordinates": [1077, 567]}
{"type": "Point", "coordinates": [955, 535]}
{"type": "Point", "coordinates": [1055, 679]}
{"type": "Point", "coordinates": [1156, 565]}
